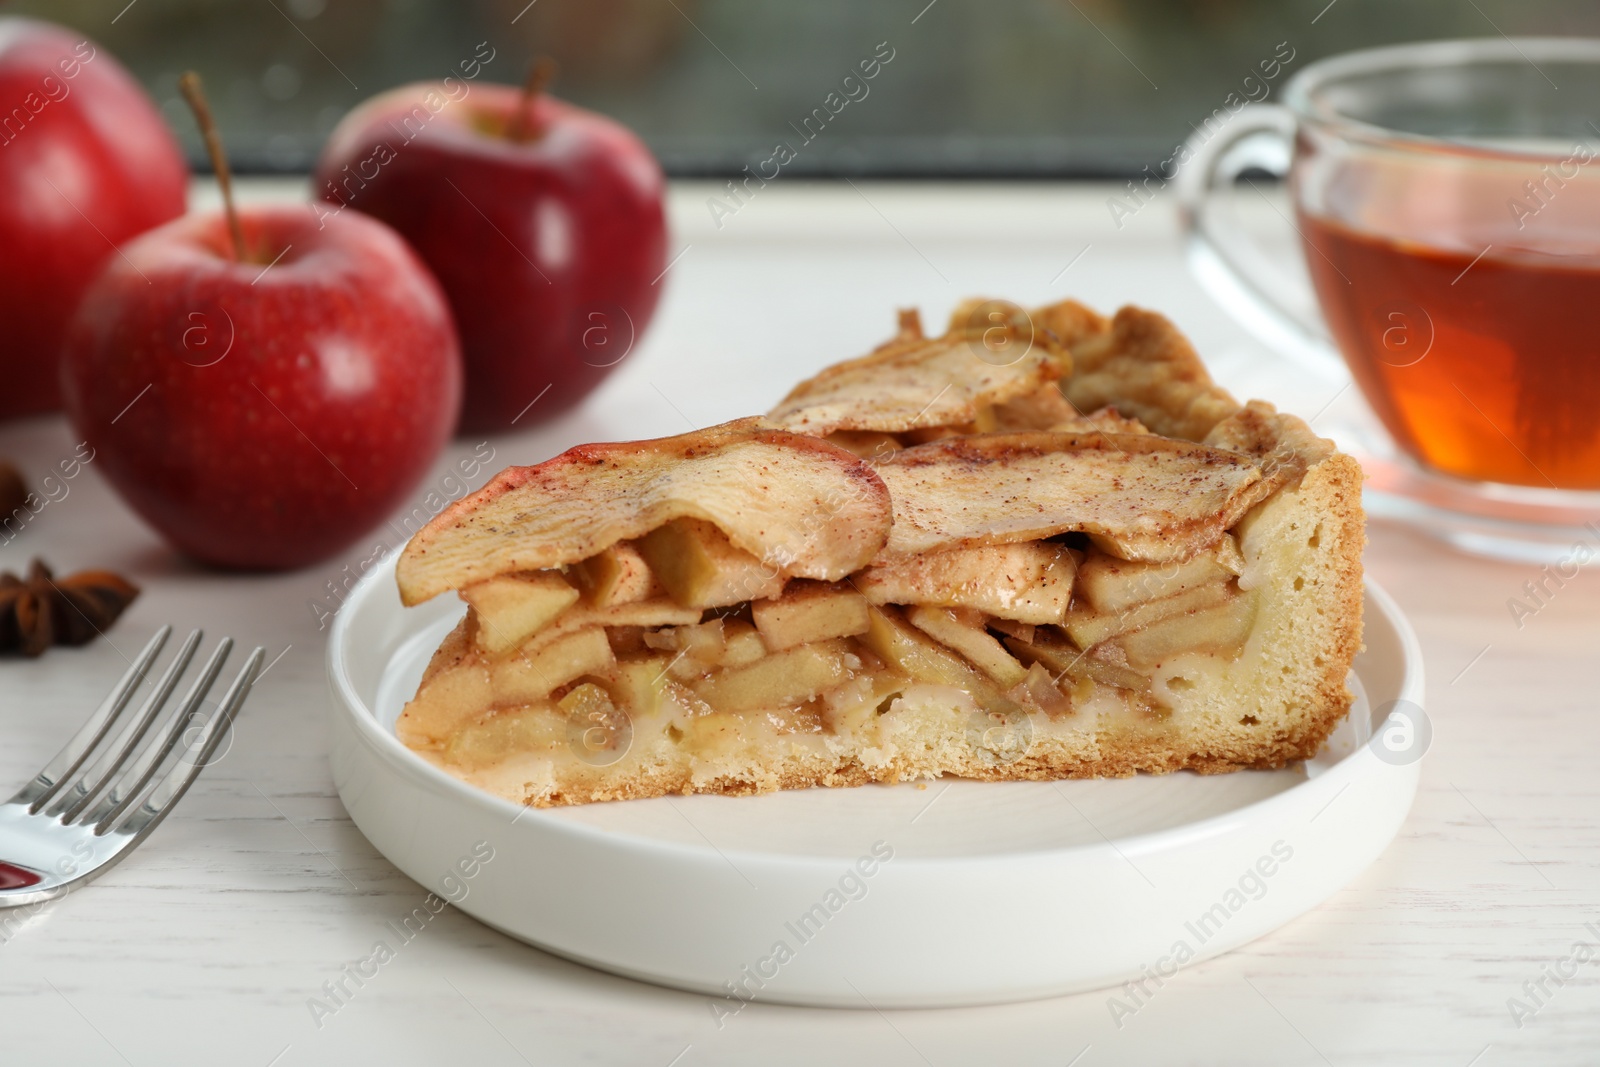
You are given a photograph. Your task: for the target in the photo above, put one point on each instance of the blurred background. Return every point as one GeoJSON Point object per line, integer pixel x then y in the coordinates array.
{"type": "Point", "coordinates": [1002, 88]}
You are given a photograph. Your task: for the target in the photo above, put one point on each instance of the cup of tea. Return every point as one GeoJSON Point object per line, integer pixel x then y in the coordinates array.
{"type": "Point", "coordinates": [1446, 197]}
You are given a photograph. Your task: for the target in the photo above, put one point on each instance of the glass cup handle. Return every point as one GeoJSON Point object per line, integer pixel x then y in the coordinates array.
{"type": "Point", "coordinates": [1236, 274]}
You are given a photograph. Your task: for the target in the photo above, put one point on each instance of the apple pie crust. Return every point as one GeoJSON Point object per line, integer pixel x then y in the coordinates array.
{"type": "Point", "coordinates": [878, 583]}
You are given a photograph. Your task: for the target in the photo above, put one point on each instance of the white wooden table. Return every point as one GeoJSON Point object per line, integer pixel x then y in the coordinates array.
{"type": "Point", "coordinates": [208, 945]}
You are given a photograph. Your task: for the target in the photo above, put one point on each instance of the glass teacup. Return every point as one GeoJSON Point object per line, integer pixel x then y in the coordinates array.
{"type": "Point", "coordinates": [1447, 198]}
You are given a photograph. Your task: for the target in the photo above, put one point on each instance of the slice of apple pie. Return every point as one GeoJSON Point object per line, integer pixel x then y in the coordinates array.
{"type": "Point", "coordinates": [923, 562]}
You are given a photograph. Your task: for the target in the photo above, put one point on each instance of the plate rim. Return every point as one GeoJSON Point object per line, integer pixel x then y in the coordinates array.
{"type": "Point", "coordinates": [347, 702]}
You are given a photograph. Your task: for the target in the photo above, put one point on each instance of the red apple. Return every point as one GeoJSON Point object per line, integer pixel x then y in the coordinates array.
{"type": "Point", "coordinates": [264, 413]}
{"type": "Point", "coordinates": [544, 223]}
{"type": "Point", "coordinates": [85, 163]}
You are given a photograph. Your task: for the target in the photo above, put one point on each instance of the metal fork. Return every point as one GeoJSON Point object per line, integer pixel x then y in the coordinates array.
{"type": "Point", "coordinates": [100, 796]}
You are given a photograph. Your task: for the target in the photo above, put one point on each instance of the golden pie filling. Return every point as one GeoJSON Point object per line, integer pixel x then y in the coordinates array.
{"type": "Point", "coordinates": [679, 657]}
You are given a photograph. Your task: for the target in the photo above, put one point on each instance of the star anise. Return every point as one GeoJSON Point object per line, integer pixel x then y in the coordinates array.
{"type": "Point", "coordinates": [39, 611]}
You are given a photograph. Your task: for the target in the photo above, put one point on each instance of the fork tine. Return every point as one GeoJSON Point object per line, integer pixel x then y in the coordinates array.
{"type": "Point", "coordinates": [73, 800]}
{"type": "Point", "coordinates": [165, 793]}
{"type": "Point", "coordinates": [133, 781]}
{"type": "Point", "coordinates": [66, 762]}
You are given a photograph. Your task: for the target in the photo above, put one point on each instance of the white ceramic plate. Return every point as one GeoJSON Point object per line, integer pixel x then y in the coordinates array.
{"type": "Point", "coordinates": [952, 892]}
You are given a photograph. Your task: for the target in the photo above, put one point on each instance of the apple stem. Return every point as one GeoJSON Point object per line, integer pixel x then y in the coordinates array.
{"type": "Point", "coordinates": [540, 75]}
{"type": "Point", "coordinates": [192, 91]}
